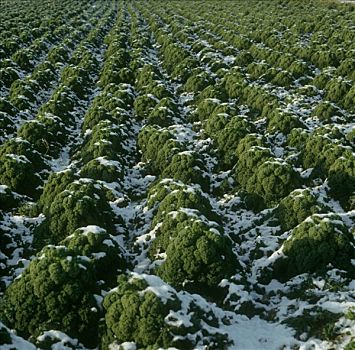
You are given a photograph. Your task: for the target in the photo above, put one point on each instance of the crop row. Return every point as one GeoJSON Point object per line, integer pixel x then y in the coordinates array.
{"type": "Point", "coordinates": [161, 168]}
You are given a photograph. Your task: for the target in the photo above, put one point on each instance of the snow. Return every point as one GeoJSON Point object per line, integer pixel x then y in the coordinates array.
{"type": "Point", "coordinates": [251, 233]}
{"type": "Point", "coordinates": [17, 158]}
{"type": "Point", "coordinates": [320, 283]}
{"type": "Point", "coordinates": [17, 342]}
{"type": "Point", "coordinates": [108, 162]}
{"type": "Point", "coordinates": [178, 319]}
{"type": "Point", "coordinates": [337, 307]}
{"type": "Point", "coordinates": [61, 341]}
{"type": "Point", "coordinates": [99, 255]}
{"type": "Point", "coordinates": [253, 333]}
{"type": "Point", "coordinates": [82, 266]}
{"type": "Point", "coordinates": [256, 333]}
{"type": "Point", "coordinates": [161, 290]}
{"type": "Point", "coordinates": [123, 346]}
{"type": "Point", "coordinates": [3, 189]}
{"type": "Point", "coordinates": [108, 242]}
{"type": "Point", "coordinates": [92, 229]}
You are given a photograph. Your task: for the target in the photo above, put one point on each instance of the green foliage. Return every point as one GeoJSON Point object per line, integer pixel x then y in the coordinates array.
{"type": "Point", "coordinates": [350, 345]}
{"type": "Point", "coordinates": [56, 291]}
{"type": "Point", "coordinates": [23, 88]}
{"type": "Point", "coordinates": [23, 58]}
{"type": "Point", "coordinates": [7, 107]}
{"type": "Point", "coordinates": [234, 83]}
{"type": "Point", "coordinates": [105, 140]}
{"type": "Point", "coordinates": [198, 254]}
{"type": "Point", "coordinates": [206, 107]}
{"type": "Point", "coordinates": [19, 174]}
{"type": "Point", "coordinates": [350, 314]}
{"type": "Point", "coordinates": [44, 74]}
{"type": "Point", "coordinates": [131, 316]}
{"type": "Point", "coordinates": [8, 75]}
{"type": "Point", "coordinates": [297, 138]}
{"type": "Point", "coordinates": [161, 116]}
{"type": "Point", "coordinates": [174, 53]}
{"type": "Point", "coordinates": [7, 125]}
{"type": "Point", "coordinates": [8, 199]}
{"type": "Point", "coordinates": [320, 153]}
{"type": "Point", "coordinates": [296, 207]}
{"type": "Point", "coordinates": [116, 57]}
{"type": "Point", "coordinates": [320, 324]}
{"type": "Point", "coordinates": [315, 243]}
{"type": "Point", "coordinates": [326, 110]}
{"type": "Point", "coordinates": [308, 90]}
{"type": "Point", "coordinates": [73, 71]}
{"type": "Point", "coordinates": [76, 79]}
{"type": "Point", "coordinates": [104, 253]}
{"type": "Point", "coordinates": [273, 180]}
{"type": "Point", "coordinates": [54, 127]}
{"type": "Point", "coordinates": [249, 161]}
{"type": "Point", "coordinates": [125, 73]}
{"type": "Point", "coordinates": [146, 75]}
{"type": "Point", "coordinates": [347, 68]}
{"type": "Point", "coordinates": [18, 146]}
{"type": "Point", "coordinates": [259, 100]}
{"type": "Point", "coordinates": [110, 102]}
{"type": "Point", "coordinates": [170, 196]}
{"type": "Point", "coordinates": [61, 104]}
{"type": "Point", "coordinates": [248, 142]}
{"type": "Point", "coordinates": [324, 59]}
{"type": "Point", "coordinates": [283, 121]}
{"type": "Point", "coordinates": [321, 80]}
{"type": "Point", "coordinates": [58, 54]}
{"type": "Point", "coordinates": [298, 69]}
{"type": "Point", "coordinates": [188, 168]}
{"type": "Point", "coordinates": [216, 123]}
{"type": "Point", "coordinates": [103, 169]}
{"type": "Point", "coordinates": [143, 105]}
{"type": "Point", "coordinates": [56, 183]}
{"type": "Point", "coordinates": [252, 201]}
{"type": "Point", "coordinates": [111, 92]}
{"type": "Point", "coordinates": [80, 204]}
{"type": "Point", "coordinates": [182, 69]}
{"type": "Point", "coordinates": [23, 93]}
{"type": "Point", "coordinates": [109, 105]}
{"type": "Point", "coordinates": [43, 138]}
{"type": "Point", "coordinates": [157, 146]}
{"type": "Point", "coordinates": [283, 78]}
{"type": "Point", "coordinates": [49, 340]}
{"type": "Point", "coordinates": [259, 173]}
{"type": "Point", "coordinates": [243, 58]}
{"type": "Point", "coordinates": [95, 115]}
{"type": "Point", "coordinates": [111, 75]}
{"type": "Point", "coordinates": [225, 108]}
{"type": "Point", "coordinates": [137, 312]}
{"type": "Point", "coordinates": [228, 138]}
{"type": "Point", "coordinates": [349, 100]}
{"type": "Point", "coordinates": [170, 104]}
{"type": "Point", "coordinates": [197, 82]}
{"type": "Point", "coordinates": [336, 89]}
{"type": "Point", "coordinates": [169, 220]}
{"type": "Point", "coordinates": [341, 179]}
{"type": "Point", "coordinates": [215, 91]}
{"type": "Point", "coordinates": [258, 70]}
{"type": "Point", "coordinates": [158, 90]}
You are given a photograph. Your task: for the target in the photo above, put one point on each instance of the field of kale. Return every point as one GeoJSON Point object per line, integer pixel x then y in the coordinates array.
{"type": "Point", "coordinates": [177, 175]}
